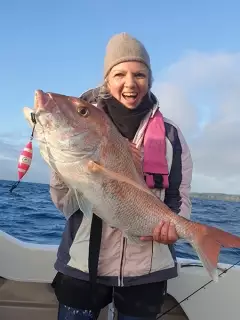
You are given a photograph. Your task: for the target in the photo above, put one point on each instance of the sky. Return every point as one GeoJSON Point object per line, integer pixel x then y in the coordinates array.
{"type": "Point", "coordinates": [59, 46]}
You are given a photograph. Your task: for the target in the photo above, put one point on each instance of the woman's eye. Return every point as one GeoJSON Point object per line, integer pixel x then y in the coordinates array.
{"type": "Point", "coordinates": [119, 75]}
{"type": "Point", "coordinates": [140, 75]}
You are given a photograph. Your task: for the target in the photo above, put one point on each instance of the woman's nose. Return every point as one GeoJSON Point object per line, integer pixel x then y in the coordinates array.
{"type": "Point", "coordinates": [130, 81]}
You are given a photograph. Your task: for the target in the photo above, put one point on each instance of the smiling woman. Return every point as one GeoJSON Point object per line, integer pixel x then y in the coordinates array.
{"type": "Point", "coordinates": [127, 70]}
{"type": "Point", "coordinates": [128, 82]}
{"type": "Point", "coordinates": [92, 252]}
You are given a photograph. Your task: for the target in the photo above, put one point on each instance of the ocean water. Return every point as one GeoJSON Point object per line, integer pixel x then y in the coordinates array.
{"type": "Point", "coordinates": [29, 215]}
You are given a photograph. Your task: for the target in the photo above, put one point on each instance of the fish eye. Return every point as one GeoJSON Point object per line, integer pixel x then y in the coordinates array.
{"type": "Point", "coordinates": [83, 111]}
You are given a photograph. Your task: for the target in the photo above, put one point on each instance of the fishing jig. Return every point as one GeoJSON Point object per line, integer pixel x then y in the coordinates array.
{"type": "Point", "coordinates": [25, 159]}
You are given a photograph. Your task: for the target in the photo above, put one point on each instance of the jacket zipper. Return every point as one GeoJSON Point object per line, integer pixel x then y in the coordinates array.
{"type": "Point", "coordinates": [120, 279]}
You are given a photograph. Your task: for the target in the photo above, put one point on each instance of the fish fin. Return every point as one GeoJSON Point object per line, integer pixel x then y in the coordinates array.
{"type": "Point", "coordinates": [207, 242]}
{"type": "Point", "coordinates": [137, 158]}
{"type": "Point", "coordinates": [97, 168]}
{"type": "Point", "coordinates": [85, 206]}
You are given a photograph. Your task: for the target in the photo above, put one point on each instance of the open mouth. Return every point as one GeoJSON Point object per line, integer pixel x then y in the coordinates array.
{"type": "Point", "coordinates": [130, 97]}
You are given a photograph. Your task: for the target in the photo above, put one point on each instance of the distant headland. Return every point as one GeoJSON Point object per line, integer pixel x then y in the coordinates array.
{"type": "Point", "coordinates": [215, 196]}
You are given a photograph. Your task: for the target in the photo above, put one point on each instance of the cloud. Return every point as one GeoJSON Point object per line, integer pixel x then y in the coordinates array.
{"type": "Point", "coordinates": [174, 102]}
{"type": "Point", "coordinates": [201, 93]}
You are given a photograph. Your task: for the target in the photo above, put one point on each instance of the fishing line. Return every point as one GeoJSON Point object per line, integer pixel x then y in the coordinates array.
{"type": "Point", "coordinates": [194, 292]}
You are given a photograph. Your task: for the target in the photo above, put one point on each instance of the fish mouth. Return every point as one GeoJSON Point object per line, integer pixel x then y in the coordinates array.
{"type": "Point", "coordinates": [27, 115]}
{"type": "Point", "coordinates": [41, 104]}
{"type": "Point", "coordinates": [41, 100]}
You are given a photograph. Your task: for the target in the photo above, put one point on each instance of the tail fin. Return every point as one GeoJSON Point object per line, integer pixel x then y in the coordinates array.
{"type": "Point", "coordinates": [207, 242]}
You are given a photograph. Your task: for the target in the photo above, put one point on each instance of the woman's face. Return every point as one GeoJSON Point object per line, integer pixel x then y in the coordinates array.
{"type": "Point", "coordinates": [128, 82]}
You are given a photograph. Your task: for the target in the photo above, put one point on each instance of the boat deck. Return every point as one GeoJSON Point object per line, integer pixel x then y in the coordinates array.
{"type": "Point", "coordinates": [29, 300]}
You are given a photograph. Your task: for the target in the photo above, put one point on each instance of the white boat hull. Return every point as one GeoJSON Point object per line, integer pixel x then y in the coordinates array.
{"type": "Point", "coordinates": [27, 271]}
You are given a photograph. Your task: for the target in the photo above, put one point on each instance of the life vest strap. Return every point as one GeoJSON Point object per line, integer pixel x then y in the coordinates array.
{"type": "Point", "coordinates": [155, 166]}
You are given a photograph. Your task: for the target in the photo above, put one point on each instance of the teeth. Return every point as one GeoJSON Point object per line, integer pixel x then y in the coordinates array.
{"type": "Point", "coordinates": [130, 94]}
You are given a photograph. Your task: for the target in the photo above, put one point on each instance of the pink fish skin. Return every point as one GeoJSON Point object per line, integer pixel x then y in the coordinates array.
{"type": "Point", "coordinates": [81, 144]}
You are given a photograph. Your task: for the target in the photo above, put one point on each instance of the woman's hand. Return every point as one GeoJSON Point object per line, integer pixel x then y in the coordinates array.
{"type": "Point", "coordinates": [164, 233]}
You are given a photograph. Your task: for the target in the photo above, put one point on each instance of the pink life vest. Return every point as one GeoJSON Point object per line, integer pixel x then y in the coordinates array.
{"type": "Point", "coordinates": [155, 163]}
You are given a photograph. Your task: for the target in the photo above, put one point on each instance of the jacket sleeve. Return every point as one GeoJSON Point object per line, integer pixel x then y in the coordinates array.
{"type": "Point", "coordinates": [62, 196]}
{"type": "Point", "coordinates": [177, 196]}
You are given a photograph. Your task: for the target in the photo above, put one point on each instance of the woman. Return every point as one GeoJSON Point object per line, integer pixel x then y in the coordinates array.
{"type": "Point", "coordinates": [95, 263]}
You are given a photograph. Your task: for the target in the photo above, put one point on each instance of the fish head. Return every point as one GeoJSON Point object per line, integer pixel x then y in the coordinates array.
{"type": "Point", "coordinates": [67, 128]}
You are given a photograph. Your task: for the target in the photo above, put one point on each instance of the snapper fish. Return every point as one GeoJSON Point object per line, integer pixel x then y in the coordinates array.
{"type": "Point", "coordinates": [79, 142]}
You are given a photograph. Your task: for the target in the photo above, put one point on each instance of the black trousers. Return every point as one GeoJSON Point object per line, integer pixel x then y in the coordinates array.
{"type": "Point", "coordinates": [144, 300]}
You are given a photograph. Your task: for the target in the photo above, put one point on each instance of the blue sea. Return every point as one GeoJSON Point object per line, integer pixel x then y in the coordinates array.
{"type": "Point", "coordinates": [29, 215]}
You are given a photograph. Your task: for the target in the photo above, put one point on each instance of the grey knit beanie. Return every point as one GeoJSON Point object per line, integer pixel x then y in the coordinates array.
{"type": "Point", "coordinates": [122, 48]}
